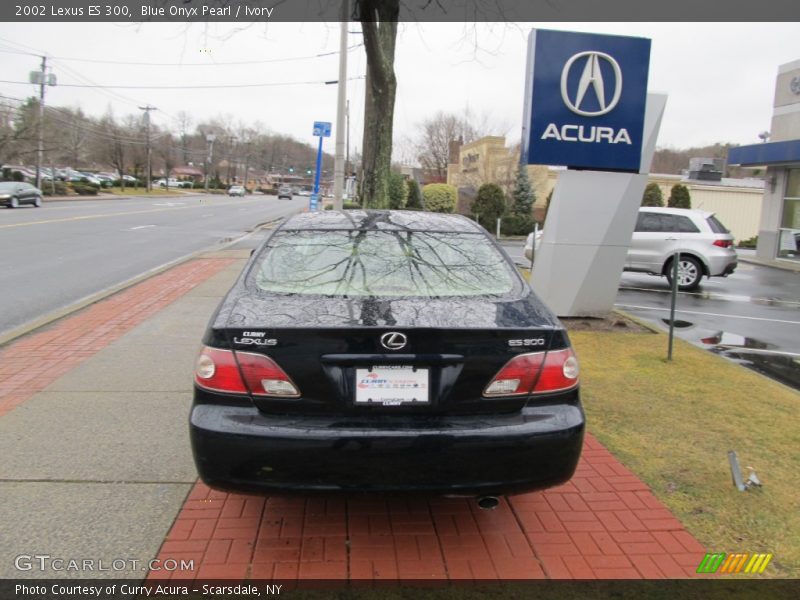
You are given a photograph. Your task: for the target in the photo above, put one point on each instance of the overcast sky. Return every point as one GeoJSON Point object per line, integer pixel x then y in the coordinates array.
{"type": "Point", "coordinates": [720, 77]}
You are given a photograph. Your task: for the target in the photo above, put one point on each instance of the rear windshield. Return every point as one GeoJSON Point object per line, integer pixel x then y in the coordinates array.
{"type": "Point", "coordinates": [716, 226]}
{"type": "Point", "coordinates": [383, 263]}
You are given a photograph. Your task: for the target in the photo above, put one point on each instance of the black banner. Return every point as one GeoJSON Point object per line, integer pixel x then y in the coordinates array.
{"type": "Point", "coordinates": [411, 10]}
{"type": "Point", "coordinates": [129, 589]}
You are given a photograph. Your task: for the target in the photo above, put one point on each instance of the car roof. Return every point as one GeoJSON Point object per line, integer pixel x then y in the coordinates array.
{"type": "Point", "coordinates": [667, 210]}
{"type": "Point", "coordinates": [383, 220]}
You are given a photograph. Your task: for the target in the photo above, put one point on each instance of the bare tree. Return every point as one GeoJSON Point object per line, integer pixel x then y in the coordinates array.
{"type": "Point", "coordinates": [379, 26]}
{"type": "Point", "coordinates": [436, 135]}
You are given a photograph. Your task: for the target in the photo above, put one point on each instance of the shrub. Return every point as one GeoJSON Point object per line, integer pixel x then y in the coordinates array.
{"type": "Point", "coordinates": [128, 184]}
{"type": "Point", "coordinates": [748, 243]}
{"type": "Point", "coordinates": [439, 197]}
{"type": "Point", "coordinates": [679, 197]}
{"type": "Point", "coordinates": [414, 200]}
{"type": "Point", "coordinates": [489, 205]}
{"type": "Point", "coordinates": [652, 195]}
{"type": "Point", "coordinates": [351, 205]}
{"type": "Point", "coordinates": [517, 225]}
{"type": "Point", "coordinates": [60, 187]}
{"type": "Point", "coordinates": [85, 189]}
{"type": "Point", "coordinates": [398, 191]}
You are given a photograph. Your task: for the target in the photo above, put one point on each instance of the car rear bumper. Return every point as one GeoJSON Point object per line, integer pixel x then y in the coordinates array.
{"type": "Point", "coordinates": [237, 448]}
{"type": "Point", "coordinates": [722, 266]}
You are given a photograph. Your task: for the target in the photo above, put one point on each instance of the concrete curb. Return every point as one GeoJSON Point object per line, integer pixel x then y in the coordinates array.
{"type": "Point", "coordinates": [775, 264]}
{"type": "Point", "coordinates": [641, 322]}
{"type": "Point", "coordinates": [55, 315]}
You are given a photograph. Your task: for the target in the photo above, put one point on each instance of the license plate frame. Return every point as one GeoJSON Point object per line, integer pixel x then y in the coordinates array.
{"type": "Point", "coordinates": [392, 385]}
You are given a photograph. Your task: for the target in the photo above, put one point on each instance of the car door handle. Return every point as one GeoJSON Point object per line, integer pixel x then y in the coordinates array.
{"type": "Point", "coordinates": [672, 239]}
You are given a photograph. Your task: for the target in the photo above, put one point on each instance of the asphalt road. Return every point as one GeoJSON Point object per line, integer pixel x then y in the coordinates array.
{"type": "Point", "coordinates": [751, 317]}
{"type": "Point", "coordinates": [57, 255]}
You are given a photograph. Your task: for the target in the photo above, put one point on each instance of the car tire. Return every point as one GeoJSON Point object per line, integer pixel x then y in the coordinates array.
{"type": "Point", "coordinates": [13, 203]}
{"type": "Point", "coordinates": [690, 273]}
{"type": "Point", "coordinates": [37, 202]}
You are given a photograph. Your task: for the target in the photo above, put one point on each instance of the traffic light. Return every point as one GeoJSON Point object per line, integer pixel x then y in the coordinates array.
{"type": "Point", "coordinates": [308, 171]}
{"type": "Point", "coordinates": [291, 169]}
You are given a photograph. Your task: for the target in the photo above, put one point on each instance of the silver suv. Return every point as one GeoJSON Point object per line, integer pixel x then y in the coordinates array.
{"type": "Point", "coordinates": [706, 246]}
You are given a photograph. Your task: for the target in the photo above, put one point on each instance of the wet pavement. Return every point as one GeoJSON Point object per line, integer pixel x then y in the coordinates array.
{"type": "Point", "coordinates": [751, 317]}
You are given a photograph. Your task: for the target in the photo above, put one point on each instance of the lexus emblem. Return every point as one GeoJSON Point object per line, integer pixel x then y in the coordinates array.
{"type": "Point", "coordinates": [394, 340]}
{"type": "Point", "coordinates": [592, 76]}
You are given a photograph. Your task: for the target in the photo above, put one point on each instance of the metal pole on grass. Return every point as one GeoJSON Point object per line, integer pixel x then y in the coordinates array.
{"type": "Point", "coordinates": [675, 261]}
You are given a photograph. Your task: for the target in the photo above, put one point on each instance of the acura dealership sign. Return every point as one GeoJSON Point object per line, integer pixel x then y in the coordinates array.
{"type": "Point", "coordinates": [585, 97]}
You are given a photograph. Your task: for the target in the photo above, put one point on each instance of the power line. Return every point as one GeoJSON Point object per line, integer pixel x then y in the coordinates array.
{"type": "Point", "coordinates": [198, 64]}
{"type": "Point", "coordinates": [186, 87]}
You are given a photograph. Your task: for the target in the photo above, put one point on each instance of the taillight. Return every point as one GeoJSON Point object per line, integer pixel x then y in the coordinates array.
{"type": "Point", "coordinates": [217, 370]}
{"type": "Point", "coordinates": [723, 243]}
{"type": "Point", "coordinates": [264, 377]}
{"type": "Point", "coordinates": [535, 373]}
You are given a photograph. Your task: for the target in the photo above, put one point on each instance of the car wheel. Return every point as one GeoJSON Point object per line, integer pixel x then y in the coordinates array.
{"type": "Point", "coordinates": [690, 272]}
{"type": "Point", "coordinates": [13, 203]}
{"type": "Point", "coordinates": [37, 202]}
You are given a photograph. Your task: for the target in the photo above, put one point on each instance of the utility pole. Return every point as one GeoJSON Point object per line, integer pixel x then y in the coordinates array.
{"type": "Point", "coordinates": [41, 78]}
{"type": "Point", "coordinates": [210, 141]}
{"type": "Point", "coordinates": [147, 110]}
{"type": "Point", "coordinates": [347, 152]}
{"type": "Point", "coordinates": [339, 166]}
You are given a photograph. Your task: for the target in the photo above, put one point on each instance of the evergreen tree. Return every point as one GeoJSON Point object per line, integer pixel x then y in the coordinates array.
{"type": "Point", "coordinates": [679, 197]}
{"type": "Point", "coordinates": [652, 195]}
{"type": "Point", "coordinates": [523, 196]}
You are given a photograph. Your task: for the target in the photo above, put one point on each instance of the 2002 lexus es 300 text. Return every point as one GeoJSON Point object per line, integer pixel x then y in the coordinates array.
{"type": "Point", "coordinates": [383, 350]}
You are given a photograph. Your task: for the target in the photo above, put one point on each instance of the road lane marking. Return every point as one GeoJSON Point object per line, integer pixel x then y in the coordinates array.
{"type": "Point", "coordinates": [120, 214]}
{"type": "Point", "coordinates": [715, 296]}
{"type": "Point", "coordinates": [745, 350]}
{"type": "Point", "coordinates": [707, 314]}
{"type": "Point", "coordinates": [87, 217]}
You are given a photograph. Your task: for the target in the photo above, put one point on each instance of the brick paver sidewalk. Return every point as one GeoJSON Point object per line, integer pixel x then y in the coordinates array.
{"type": "Point", "coordinates": [32, 363]}
{"type": "Point", "coordinates": [604, 523]}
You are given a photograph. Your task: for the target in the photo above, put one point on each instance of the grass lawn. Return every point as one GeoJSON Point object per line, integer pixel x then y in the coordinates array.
{"type": "Point", "coordinates": [673, 424]}
{"type": "Point", "coordinates": [140, 191]}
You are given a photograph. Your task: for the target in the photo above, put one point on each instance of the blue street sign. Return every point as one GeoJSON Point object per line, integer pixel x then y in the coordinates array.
{"type": "Point", "coordinates": [322, 129]}
{"type": "Point", "coordinates": [585, 96]}
{"type": "Point", "coordinates": [313, 202]}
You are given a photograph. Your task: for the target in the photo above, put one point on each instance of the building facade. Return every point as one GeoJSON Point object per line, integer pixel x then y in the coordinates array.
{"type": "Point", "coordinates": [737, 202]}
{"type": "Point", "coordinates": [779, 227]}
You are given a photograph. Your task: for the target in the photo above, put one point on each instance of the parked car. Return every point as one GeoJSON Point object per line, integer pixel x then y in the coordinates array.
{"type": "Point", "coordinates": [706, 246]}
{"type": "Point", "coordinates": [236, 190]}
{"type": "Point", "coordinates": [285, 192]}
{"type": "Point", "coordinates": [379, 351]}
{"type": "Point", "coordinates": [16, 193]}
{"type": "Point", "coordinates": [173, 183]}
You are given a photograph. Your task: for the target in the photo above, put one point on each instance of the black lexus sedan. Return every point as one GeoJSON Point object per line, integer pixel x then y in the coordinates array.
{"type": "Point", "coordinates": [384, 351]}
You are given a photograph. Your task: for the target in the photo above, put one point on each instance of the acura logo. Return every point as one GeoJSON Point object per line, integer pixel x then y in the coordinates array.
{"type": "Point", "coordinates": [592, 76]}
{"type": "Point", "coordinates": [394, 340]}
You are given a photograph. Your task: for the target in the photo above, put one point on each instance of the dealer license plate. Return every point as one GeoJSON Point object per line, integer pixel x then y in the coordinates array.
{"type": "Point", "coordinates": [392, 385]}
